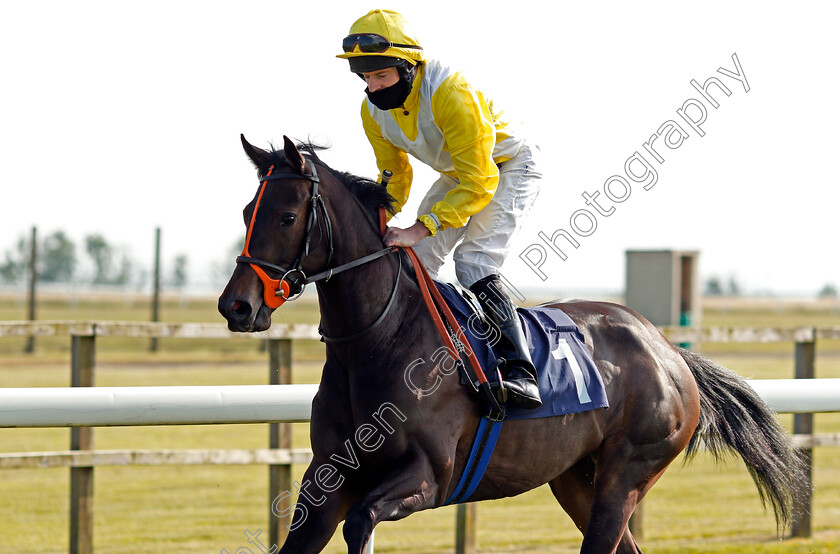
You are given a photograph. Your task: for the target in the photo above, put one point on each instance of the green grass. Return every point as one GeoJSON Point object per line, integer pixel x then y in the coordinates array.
{"type": "Point", "coordinates": [699, 507]}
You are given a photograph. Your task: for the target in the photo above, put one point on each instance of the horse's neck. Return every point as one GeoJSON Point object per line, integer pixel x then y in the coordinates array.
{"type": "Point", "coordinates": [400, 361]}
{"type": "Point", "coordinates": [352, 301]}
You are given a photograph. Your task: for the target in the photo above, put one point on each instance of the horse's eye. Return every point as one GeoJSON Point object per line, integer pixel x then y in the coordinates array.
{"type": "Point", "coordinates": [288, 219]}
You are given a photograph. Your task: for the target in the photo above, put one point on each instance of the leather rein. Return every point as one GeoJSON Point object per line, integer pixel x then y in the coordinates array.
{"type": "Point", "coordinates": [277, 291]}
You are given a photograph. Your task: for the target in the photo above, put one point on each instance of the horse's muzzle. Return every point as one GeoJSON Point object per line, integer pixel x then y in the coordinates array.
{"type": "Point", "coordinates": [241, 304]}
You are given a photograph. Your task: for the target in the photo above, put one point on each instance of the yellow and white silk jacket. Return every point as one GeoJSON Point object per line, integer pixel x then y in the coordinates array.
{"type": "Point", "coordinates": [450, 126]}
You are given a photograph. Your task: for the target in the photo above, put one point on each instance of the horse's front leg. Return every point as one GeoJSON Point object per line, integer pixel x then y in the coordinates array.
{"type": "Point", "coordinates": [408, 488]}
{"type": "Point", "coordinates": [322, 503]}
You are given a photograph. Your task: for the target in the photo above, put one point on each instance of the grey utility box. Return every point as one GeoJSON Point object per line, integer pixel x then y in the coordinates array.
{"type": "Point", "coordinates": [663, 286]}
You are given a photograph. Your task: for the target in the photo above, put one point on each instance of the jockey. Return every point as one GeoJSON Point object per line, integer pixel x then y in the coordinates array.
{"type": "Point", "coordinates": [487, 183]}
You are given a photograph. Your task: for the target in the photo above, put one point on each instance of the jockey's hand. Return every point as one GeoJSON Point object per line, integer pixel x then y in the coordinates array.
{"type": "Point", "coordinates": [395, 236]}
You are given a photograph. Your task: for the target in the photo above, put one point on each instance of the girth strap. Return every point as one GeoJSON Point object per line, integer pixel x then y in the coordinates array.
{"type": "Point", "coordinates": [482, 450]}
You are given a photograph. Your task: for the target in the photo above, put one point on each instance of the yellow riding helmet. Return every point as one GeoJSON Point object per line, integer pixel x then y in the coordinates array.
{"type": "Point", "coordinates": [380, 39]}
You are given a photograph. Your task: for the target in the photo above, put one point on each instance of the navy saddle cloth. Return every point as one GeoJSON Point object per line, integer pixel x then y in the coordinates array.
{"type": "Point", "coordinates": [567, 377]}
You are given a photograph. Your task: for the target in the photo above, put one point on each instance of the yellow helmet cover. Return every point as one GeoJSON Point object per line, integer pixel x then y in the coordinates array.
{"type": "Point", "coordinates": [395, 29]}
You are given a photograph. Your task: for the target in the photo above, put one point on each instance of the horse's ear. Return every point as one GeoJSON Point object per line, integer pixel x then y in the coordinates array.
{"type": "Point", "coordinates": [294, 156]}
{"type": "Point", "coordinates": [258, 156]}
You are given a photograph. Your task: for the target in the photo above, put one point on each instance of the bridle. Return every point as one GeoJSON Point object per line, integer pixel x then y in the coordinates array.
{"type": "Point", "coordinates": [277, 291]}
{"type": "Point", "coordinates": [293, 281]}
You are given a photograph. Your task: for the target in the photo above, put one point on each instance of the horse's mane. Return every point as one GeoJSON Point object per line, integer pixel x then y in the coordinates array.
{"type": "Point", "coordinates": [369, 193]}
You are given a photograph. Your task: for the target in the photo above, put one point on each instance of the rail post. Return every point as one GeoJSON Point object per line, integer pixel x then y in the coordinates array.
{"type": "Point", "coordinates": [803, 424]}
{"type": "Point", "coordinates": [33, 280]}
{"type": "Point", "coordinates": [280, 436]}
{"type": "Point", "coordinates": [153, 342]}
{"type": "Point", "coordinates": [466, 518]}
{"type": "Point", "coordinates": [81, 438]}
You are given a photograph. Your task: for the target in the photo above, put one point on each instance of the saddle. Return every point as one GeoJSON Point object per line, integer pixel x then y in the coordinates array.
{"type": "Point", "coordinates": [567, 377]}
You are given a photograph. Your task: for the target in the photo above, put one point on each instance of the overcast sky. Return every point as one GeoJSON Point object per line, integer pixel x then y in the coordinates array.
{"type": "Point", "coordinates": [118, 117]}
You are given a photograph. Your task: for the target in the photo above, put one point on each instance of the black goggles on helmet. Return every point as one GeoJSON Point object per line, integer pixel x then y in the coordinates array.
{"type": "Point", "coordinates": [371, 43]}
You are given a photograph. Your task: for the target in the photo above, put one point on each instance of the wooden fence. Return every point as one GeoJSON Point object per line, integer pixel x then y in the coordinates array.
{"type": "Point", "coordinates": [81, 458]}
{"type": "Point", "coordinates": [805, 341]}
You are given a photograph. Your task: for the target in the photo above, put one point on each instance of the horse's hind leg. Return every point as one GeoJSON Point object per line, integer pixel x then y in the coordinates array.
{"type": "Point", "coordinates": [624, 472]}
{"type": "Point", "coordinates": [575, 491]}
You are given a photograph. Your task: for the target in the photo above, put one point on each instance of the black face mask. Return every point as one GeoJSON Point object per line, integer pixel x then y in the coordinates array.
{"type": "Point", "coordinates": [392, 97]}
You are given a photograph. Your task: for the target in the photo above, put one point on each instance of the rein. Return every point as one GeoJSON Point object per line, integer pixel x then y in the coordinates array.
{"type": "Point", "coordinates": [446, 325]}
{"type": "Point", "coordinates": [277, 291]}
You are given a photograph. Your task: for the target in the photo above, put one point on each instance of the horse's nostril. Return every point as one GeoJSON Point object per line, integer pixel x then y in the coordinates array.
{"type": "Point", "coordinates": [241, 308]}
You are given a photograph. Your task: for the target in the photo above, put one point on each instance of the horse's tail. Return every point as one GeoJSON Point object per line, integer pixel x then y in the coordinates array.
{"type": "Point", "coordinates": [734, 418]}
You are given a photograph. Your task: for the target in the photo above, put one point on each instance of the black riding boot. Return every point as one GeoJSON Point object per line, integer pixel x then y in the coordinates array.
{"type": "Point", "coordinates": [520, 374]}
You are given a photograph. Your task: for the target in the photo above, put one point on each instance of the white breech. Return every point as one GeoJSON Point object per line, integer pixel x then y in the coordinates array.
{"type": "Point", "coordinates": [485, 239]}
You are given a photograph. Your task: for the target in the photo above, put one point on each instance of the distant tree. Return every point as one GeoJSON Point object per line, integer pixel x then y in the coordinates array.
{"type": "Point", "coordinates": [12, 270]}
{"type": "Point", "coordinates": [179, 273]}
{"type": "Point", "coordinates": [222, 269]}
{"type": "Point", "coordinates": [713, 287]}
{"type": "Point", "coordinates": [57, 258]}
{"type": "Point", "coordinates": [103, 256]}
{"type": "Point", "coordinates": [734, 288]}
{"type": "Point", "coordinates": [100, 252]}
{"type": "Point", "coordinates": [124, 276]}
{"type": "Point", "coordinates": [828, 291]}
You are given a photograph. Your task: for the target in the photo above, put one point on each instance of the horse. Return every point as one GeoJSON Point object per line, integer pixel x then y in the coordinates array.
{"type": "Point", "coordinates": [382, 450]}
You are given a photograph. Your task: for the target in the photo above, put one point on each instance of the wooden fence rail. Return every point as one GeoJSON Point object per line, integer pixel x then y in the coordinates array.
{"type": "Point", "coordinates": [804, 339]}
{"type": "Point", "coordinates": [82, 457]}
{"type": "Point", "coordinates": [83, 336]}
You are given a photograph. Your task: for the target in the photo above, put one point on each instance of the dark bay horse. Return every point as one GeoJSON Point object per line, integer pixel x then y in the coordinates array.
{"type": "Point", "coordinates": [384, 449]}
